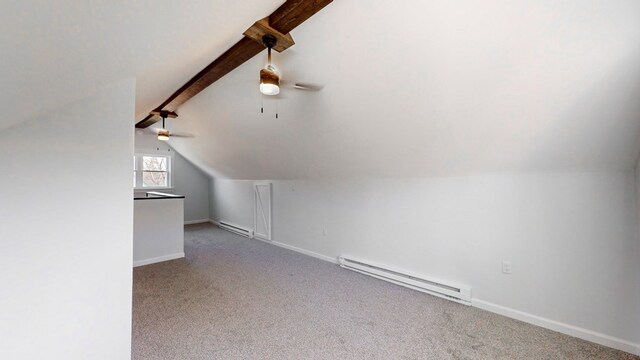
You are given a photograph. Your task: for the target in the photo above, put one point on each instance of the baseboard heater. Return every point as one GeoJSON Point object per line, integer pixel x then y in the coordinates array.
{"type": "Point", "coordinates": [236, 229]}
{"type": "Point", "coordinates": [457, 293]}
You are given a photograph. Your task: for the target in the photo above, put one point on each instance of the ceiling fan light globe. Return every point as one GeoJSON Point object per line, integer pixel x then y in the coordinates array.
{"type": "Point", "coordinates": [163, 135]}
{"type": "Point", "coordinates": [269, 81]}
{"type": "Point", "coordinates": [270, 89]}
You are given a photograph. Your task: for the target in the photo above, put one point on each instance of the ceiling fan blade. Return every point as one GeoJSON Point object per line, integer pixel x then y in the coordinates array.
{"type": "Point", "coordinates": [156, 131]}
{"type": "Point", "coordinates": [148, 131]}
{"type": "Point", "coordinates": [181, 135]}
{"type": "Point", "coordinates": [308, 86]}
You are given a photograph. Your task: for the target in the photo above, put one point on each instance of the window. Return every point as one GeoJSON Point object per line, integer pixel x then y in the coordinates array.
{"type": "Point", "coordinates": [151, 171]}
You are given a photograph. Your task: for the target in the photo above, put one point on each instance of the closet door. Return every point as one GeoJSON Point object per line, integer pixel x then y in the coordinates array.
{"type": "Point", "coordinates": [262, 211]}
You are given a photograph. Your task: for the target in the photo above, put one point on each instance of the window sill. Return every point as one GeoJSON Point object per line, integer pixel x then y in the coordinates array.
{"type": "Point", "coordinates": [152, 189]}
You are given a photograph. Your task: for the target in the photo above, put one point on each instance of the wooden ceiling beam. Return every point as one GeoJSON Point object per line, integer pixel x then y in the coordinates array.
{"type": "Point", "coordinates": [294, 12]}
{"type": "Point", "coordinates": [262, 28]}
{"type": "Point", "coordinates": [237, 55]}
{"type": "Point", "coordinates": [170, 114]}
{"type": "Point", "coordinates": [287, 17]}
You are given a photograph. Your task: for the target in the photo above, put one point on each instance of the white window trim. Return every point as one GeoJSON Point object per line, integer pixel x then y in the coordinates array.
{"type": "Point", "coordinates": [138, 170]}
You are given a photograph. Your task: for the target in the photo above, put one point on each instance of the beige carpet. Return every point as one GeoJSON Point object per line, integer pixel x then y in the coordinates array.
{"type": "Point", "coordinates": [236, 298]}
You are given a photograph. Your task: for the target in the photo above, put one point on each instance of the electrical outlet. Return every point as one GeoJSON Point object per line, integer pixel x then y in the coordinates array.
{"type": "Point", "coordinates": [324, 232]}
{"type": "Point", "coordinates": [506, 267]}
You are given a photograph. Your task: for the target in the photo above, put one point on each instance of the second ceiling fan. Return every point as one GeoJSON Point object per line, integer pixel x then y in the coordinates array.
{"type": "Point", "coordinates": [163, 133]}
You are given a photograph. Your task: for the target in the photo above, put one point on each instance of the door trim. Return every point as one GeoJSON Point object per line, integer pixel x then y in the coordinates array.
{"type": "Point", "coordinates": [258, 200]}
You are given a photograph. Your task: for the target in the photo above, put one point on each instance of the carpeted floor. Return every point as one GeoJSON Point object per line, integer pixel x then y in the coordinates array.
{"type": "Point", "coordinates": [236, 298]}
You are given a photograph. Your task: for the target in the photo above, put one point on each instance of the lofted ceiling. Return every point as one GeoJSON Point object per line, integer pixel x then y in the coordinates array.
{"type": "Point", "coordinates": [412, 88]}
{"type": "Point", "coordinates": [433, 88]}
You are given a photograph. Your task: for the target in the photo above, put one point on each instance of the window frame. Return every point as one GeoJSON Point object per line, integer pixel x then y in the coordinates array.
{"type": "Point", "coordinates": [138, 171]}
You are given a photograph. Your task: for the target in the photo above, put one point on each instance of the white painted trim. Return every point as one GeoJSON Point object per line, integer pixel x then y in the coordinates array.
{"type": "Point", "coordinates": [256, 198]}
{"type": "Point", "coordinates": [301, 251]}
{"type": "Point", "coordinates": [567, 329]}
{"type": "Point", "coordinates": [305, 252]}
{"type": "Point", "coordinates": [158, 259]}
{"type": "Point", "coordinates": [138, 169]}
{"type": "Point", "coordinates": [293, 248]}
{"type": "Point", "coordinates": [191, 222]}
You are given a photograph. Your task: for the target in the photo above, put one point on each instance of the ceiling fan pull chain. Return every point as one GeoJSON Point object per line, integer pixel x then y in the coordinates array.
{"type": "Point", "coordinates": [261, 105]}
{"type": "Point", "coordinates": [276, 109]}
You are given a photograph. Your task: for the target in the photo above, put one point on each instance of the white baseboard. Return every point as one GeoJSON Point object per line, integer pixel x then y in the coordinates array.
{"type": "Point", "coordinates": [290, 247]}
{"type": "Point", "coordinates": [191, 222]}
{"type": "Point", "coordinates": [158, 259]}
{"type": "Point", "coordinates": [567, 329]}
{"type": "Point", "coordinates": [301, 251]}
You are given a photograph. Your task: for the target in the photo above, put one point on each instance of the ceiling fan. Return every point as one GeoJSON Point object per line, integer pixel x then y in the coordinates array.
{"type": "Point", "coordinates": [279, 23]}
{"type": "Point", "coordinates": [270, 83]}
{"type": "Point", "coordinates": [162, 133]}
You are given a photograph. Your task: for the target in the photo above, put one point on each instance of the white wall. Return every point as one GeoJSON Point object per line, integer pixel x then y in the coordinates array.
{"type": "Point", "coordinates": [232, 201]}
{"type": "Point", "coordinates": [194, 185]}
{"type": "Point", "coordinates": [572, 237]}
{"type": "Point", "coordinates": [158, 230]}
{"type": "Point", "coordinates": [66, 231]}
{"type": "Point", "coordinates": [637, 308]}
{"type": "Point", "coordinates": [188, 180]}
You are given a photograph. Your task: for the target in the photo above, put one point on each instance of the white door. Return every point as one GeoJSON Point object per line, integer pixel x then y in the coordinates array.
{"type": "Point", "coordinates": [262, 211]}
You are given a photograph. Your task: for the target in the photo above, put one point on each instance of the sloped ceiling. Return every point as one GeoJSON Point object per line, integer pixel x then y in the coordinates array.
{"type": "Point", "coordinates": [55, 52]}
{"type": "Point", "coordinates": [412, 88]}
{"type": "Point", "coordinates": [433, 88]}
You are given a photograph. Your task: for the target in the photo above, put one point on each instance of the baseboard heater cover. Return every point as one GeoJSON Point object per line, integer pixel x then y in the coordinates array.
{"type": "Point", "coordinates": [453, 292]}
{"type": "Point", "coordinates": [236, 229]}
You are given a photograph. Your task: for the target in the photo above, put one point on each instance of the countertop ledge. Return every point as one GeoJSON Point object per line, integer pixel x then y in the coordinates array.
{"type": "Point", "coordinates": [154, 195]}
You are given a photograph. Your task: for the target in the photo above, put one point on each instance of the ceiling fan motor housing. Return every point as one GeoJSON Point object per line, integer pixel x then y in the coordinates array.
{"type": "Point", "coordinates": [269, 40]}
